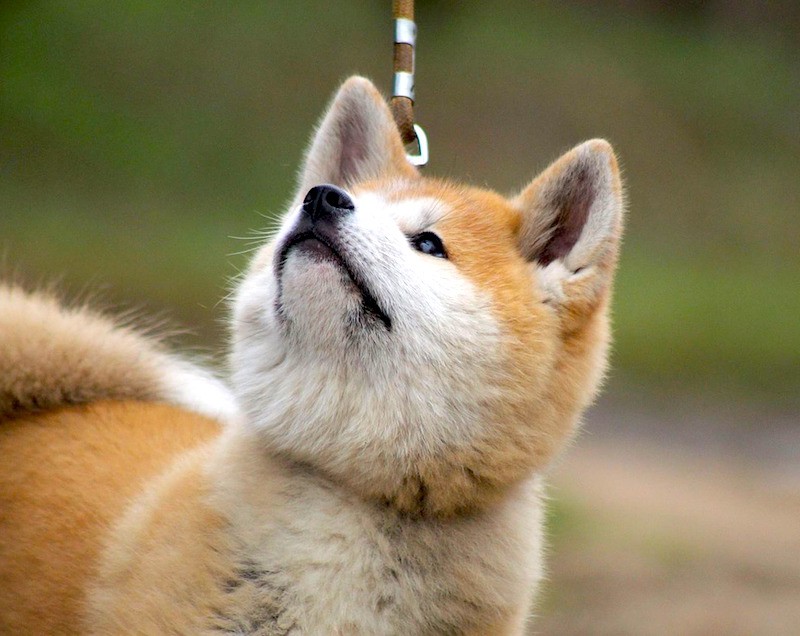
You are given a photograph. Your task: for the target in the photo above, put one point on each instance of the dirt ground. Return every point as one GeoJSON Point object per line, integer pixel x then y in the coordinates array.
{"type": "Point", "coordinates": [681, 520]}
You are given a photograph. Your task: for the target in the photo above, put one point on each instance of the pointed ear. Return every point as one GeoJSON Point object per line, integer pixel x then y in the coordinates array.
{"type": "Point", "coordinates": [356, 140]}
{"type": "Point", "coordinates": [572, 220]}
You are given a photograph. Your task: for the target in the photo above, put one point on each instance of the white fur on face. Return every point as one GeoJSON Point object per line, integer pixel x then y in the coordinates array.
{"type": "Point", "coordinates": [330, 385]}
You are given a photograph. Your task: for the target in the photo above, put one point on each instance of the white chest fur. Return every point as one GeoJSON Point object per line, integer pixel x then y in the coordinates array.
{"type": "Point", "coordinates": [325, 562]}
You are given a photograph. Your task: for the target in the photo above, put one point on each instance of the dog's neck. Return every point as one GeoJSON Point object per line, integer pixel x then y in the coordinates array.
{"type": "Point", "coordinates": [271, 503]}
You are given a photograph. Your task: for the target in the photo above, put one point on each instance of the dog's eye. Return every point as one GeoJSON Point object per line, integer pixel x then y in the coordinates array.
{"type": "Point", "coordinates": [429, 243]}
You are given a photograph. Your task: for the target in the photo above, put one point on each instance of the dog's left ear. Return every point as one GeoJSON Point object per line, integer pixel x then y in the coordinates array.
{"type": "Point", "coordinates": [356, 140]}
{"type": "Point", "coordinates": [571, 225]}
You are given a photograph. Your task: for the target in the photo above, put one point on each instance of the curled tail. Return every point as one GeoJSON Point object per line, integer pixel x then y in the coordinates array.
{"type": "Point", "coordinates": [52, 355]}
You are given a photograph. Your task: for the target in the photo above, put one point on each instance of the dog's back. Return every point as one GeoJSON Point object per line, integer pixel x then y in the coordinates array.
{"type": "Point", "coordinates": [84, 422]}
{"type": "Point", "coordinates": [66, 476]}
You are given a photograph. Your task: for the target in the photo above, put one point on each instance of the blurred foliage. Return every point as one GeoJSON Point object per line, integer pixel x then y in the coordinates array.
{"type": "Point", "coordinates": [138, 138]}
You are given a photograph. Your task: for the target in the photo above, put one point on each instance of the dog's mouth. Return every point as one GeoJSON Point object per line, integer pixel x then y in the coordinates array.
{"type": "Point", "coordinates": [322, 247]}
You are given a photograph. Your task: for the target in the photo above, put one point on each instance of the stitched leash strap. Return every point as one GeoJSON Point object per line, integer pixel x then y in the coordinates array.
{"type": "Point", "coordinates": [405, 35]}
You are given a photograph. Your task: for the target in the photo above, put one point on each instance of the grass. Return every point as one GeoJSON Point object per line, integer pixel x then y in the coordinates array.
{"type": "Point", "coordinates": [709, 324]}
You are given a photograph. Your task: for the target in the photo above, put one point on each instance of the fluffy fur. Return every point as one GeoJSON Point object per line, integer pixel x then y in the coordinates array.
{"type": "Point", "coordinates": [52, 355]}
{"type": "Point", "coordinates": [398, 411]}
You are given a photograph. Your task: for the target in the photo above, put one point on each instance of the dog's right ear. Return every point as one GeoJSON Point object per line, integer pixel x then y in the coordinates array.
{"type": "Point", "coordinates": [356, 140]}
{"type": "Point", "coordinates": [572, 225]}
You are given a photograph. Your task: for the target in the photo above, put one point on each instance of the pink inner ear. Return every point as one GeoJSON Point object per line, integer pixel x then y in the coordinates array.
{"type": "Point", "coordinates": [572, 199]}
{"type": "Point", "coordinates": [352, 136]}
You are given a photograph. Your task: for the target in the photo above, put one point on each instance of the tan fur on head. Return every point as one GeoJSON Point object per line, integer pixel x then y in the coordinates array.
{"type": "Point", "coordinates": [533, 275]}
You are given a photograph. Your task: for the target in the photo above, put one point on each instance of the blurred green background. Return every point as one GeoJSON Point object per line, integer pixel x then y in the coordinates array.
{"type": "Point", "coordinates": [139, 138]}
{"type": "Point", "coordinates": [141, 143]}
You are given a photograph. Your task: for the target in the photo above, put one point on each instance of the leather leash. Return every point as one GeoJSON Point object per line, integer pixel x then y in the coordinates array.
{"type": "Point", "coordinates": [402, 104]}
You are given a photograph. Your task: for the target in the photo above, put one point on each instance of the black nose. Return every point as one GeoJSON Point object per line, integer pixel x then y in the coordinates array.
{"type": "Point", "coordinates": [327, 202]}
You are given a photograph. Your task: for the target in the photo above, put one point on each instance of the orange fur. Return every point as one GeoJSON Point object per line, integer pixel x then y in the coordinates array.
{"type": "Point", "coordinates": [483, 232]}
{"type": "Point", "coordinates": [66, 477]}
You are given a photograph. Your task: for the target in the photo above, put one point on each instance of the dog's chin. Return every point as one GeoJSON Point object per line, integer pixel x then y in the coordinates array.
{"type": "Point", "coordinates": [317, 295]}
{"type": "Point", "coordinates": [314, 278]}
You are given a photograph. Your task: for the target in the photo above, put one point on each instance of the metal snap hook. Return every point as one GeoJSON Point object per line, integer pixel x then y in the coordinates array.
{"type": "Point", "coordinates": [421, 158]}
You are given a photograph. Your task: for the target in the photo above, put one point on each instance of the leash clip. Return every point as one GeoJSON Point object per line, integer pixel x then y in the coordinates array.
{"type": "Point", "coordinates": [405, 33]}
{"type": "Point", "coordinates": [421, 158]}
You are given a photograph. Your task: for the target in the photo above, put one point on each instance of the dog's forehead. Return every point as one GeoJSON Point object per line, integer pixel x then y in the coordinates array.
{"type": "Point", "coordinates": [412, 212]}
{"type": "Point", "coordinates": [425, 203]}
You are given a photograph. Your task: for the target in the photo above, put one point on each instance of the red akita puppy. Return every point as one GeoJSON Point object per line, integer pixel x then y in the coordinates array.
{"type": "Point", "coordinates": [408, 356]}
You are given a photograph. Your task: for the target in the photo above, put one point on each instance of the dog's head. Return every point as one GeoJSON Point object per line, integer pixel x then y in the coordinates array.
{"type": "Point", "coordinates": [421, 342]}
